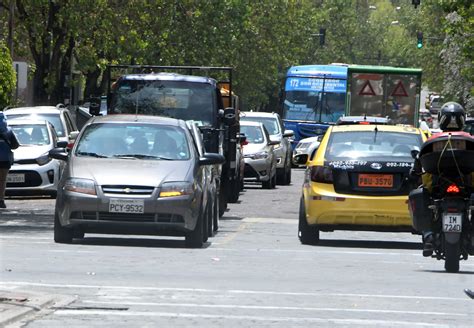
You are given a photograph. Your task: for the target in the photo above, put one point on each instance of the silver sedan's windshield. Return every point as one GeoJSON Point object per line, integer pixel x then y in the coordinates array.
{"type": "Point", "coordinates": [133, 141]}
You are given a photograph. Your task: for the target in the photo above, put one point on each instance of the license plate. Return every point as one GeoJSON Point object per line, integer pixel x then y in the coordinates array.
{"type": "Point", "coordinates": [452, 222]}
{"type": "Point", "coordinates": [126, 206]}
{"type": "Point", "coordinates": [375, 180]}
{"type": "Point", "coordinates": [15, 178]}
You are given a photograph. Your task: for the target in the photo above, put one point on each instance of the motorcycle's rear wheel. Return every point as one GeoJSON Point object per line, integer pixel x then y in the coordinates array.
{"type": "Point", "coordinates": [451, 254]}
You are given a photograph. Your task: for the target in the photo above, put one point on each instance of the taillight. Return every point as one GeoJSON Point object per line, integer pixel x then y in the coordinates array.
{"type": "Point", "coordinates": [321, 174]}
{"type": "Point", "coordinates": [453, 189]}
{"type": "Point", "coordinates": [70, 145]}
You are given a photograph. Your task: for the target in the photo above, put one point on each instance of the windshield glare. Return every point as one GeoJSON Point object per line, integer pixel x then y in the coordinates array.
{"type": "Point", "coordinates": [182, 100]}
{"type": "Point", "coordinates": [371, 145]}
{"type": "Point", "coordinates": [313, 106]}
{"type": "Point", "coordinates": [132, 140]}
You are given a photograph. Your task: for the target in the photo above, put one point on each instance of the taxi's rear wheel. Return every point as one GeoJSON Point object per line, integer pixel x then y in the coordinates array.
{"type": "Point", "coordinates": [308, 235]}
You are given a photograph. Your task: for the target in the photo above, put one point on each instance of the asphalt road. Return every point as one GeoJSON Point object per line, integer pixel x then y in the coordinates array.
{"type": "Point", "coordinates": [253, 273]}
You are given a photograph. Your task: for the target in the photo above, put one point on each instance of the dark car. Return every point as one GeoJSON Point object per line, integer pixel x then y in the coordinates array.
{"type": "Point", "coordinates": [469, 127]}
{"type": "Point", "coordinates": [132, 174]}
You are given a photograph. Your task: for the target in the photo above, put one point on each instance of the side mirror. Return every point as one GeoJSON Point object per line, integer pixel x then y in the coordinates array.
{"type": "Point", "coordinates": [288, 133]}
{"type": "Point", "coordinates": [62, 144]}
{"type": "Point", "coordinates": [414, 153]}
{"type": "Point", "coordinates": [73, 135]}
{"type": "Point", "coordinates": [229, 116]}
{"type": "Point", "coordinates": [211, 159]}
{"type": "Point", "coordinates": [94, 107]}
{"type": "Point", "coordinates": [273, 142]}
{"type": "Point", "coordinates": [300, 159]}
{"type": "Point", "coordinates": [58, 153]}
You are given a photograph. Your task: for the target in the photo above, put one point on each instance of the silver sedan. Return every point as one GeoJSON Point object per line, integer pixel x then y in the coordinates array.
{"type": "Point", "coordinates": [132, 174]}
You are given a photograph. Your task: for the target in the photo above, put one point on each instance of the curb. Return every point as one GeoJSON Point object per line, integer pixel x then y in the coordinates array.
{"type": "Point", "coordinates": [17, 305]}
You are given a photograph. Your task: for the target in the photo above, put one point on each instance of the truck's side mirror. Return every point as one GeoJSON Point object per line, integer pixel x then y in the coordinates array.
{"type": "Point", "coordinates": [94, 107]}
{"type": "Point", "coordinates": [229, 116]}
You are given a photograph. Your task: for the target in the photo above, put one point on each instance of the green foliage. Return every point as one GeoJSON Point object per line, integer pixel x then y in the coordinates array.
{"type": "Point", "coordinates": [260, 39]}
{"type": "Point", "coordinates": [7, 76]}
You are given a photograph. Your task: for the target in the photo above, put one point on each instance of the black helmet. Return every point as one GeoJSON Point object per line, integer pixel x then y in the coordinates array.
{"type": "Point", "coordinates": [451, 117]}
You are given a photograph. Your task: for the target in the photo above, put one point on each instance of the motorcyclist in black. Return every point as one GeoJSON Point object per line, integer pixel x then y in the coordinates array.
{"type": "Point", "coordinates": [451, 117]}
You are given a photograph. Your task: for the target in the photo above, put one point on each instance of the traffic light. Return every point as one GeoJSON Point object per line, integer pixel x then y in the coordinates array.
{"type": "Point", "coordinates": [415, 3]}
{"type": "Point", "coordinates": [322, 36]}
{"type": "Point", "coordinates": [419, 37]}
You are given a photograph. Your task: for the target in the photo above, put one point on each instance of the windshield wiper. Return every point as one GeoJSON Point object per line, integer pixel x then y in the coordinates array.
{"type": "Point", "coordinates": [91, 154]}
{"type": "Point", "coordinates": [142, 156]}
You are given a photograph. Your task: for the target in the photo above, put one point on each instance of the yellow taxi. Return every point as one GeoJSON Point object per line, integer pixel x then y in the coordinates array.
{"type": "Point", "coordinates": [359, 180]}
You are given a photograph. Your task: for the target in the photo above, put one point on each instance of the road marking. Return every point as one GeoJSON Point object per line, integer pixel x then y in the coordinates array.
{"type": "Point", "coordinates": [262, 307]}
{"type": "Point", "coordinates": [231, 236]}
{"type": "Point", "coordinates": [363, 322]}
{"type": "Point", "coordinates": [235, 291]}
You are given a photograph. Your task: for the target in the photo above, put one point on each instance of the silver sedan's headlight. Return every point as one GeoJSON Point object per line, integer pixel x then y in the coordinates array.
{"type": "Point", "coordinates": [43, 159]}
{"type": "Point", "coordinates": [176, 188]}
{"type": "Point", "coordinates": [259, 155]}
{"type": "Point", "coordinates": [79, 185]}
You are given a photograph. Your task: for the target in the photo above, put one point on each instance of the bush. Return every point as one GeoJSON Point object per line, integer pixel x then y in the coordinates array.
{"type": "Point", "coordinates": [7, 76]}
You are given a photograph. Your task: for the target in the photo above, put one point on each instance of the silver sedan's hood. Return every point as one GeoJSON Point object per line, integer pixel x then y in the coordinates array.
{"type": "Point", "coordinates": [137, 172]}
{"type": "Point", "coordinates": [30, 152]}
{"type": "Point", "coordinates": [252, 148]}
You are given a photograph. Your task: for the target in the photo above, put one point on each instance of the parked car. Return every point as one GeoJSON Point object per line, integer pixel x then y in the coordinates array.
{"type": "Point", "coordinates": [260, 161]}
{"type": "Point", "coordinates": [129, 174]}
{"type": "Point", "coordinates": [435, 104]}
{"type": "Point", "coordinates": [282, 150]}
{"type": "Point", "coordinates": [359, 180]}
{"type": "Point", "coordinates": [469, 127]}
{"type": "Point", "coordinates": [59, 116]}
{"type": "Point", "coordinates": [33, 171]}
{"type": "Point", "coordinates": [306, 146]}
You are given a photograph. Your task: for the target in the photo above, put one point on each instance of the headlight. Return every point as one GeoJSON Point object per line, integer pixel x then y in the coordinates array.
{"type": "Point", "coordinates": [43, 159]}
{"type": "Point", "coordinates": [82, 186]}
{"type": "Point", "coordinates": [275, 147]}
{"type": "Point", "coordinates": [260, 155]}
{"type": "Point", "coordinates": [174, 189]}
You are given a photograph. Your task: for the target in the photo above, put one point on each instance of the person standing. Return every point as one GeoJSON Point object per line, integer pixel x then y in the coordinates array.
{"type": "Point", "coordinates": [8, 141]}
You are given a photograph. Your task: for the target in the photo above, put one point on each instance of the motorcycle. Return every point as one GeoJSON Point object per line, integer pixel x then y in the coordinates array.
{"type": "Point", "coordinates": [447, 209]}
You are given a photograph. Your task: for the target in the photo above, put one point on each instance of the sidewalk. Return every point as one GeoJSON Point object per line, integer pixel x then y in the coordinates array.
{"type": "Point", "coordinates": [17, 305]}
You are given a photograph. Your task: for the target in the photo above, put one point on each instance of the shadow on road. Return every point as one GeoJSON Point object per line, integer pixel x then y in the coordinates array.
{"type": "Point", "coordinates": [134, 242]}
{"type": "Point", "coordinates": [370, 244]}
{"type": "Point", "coordinates": [461, 271]}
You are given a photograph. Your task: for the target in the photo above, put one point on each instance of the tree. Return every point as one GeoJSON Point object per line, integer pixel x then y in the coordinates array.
{"type": "Point", "coordinates": [7, 76]}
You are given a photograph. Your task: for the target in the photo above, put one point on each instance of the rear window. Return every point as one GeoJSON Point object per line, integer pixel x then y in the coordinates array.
{"type": "Point", "coordinates": [372, 145]}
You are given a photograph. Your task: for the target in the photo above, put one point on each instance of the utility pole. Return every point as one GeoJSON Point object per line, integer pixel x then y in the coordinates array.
{"type": "Point", "coordinates": [11, 26]}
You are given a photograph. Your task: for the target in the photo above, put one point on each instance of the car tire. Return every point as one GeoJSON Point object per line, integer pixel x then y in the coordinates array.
{"type": "Point", "coordinates": [287, 179]}
{"type": "Point", "coordinates": [62, 234]}
{"type": "Point", "coordinates": [205, 224]}
{"type": "Point", "coordinates": [215, 223]}
{"type": "Point", "coordinates": [267, 184]}
{"type": "Point", "coordinates": [274, 181]}
{"type": "Point", "coordinates": [194, 239]}
{"type": "Point", "coordinates": [308, 235]}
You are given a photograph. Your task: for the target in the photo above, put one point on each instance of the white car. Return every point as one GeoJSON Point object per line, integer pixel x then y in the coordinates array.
{"type": "Point", "coordinates": [282, 150]}
{"type": "Point", "coordinates": [60, 117]}
{"type": "Point", "coordinates": [33, 171]}
{"type": "Point", "coordinates": [260, 162]}
{"type": "Point", "coordinates": [306, 146]}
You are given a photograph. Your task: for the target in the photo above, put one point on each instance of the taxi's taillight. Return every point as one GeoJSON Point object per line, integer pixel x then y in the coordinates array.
{"type": "Point", "coordinates": [321, 174]}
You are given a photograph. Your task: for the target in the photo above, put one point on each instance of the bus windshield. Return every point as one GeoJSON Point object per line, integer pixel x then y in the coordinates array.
{"type": "Point", "coordinates": [177, 99]}
{"type": "Point", "coordinates": [313, 106]}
